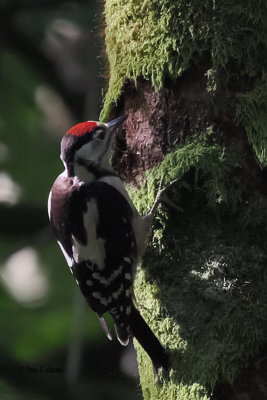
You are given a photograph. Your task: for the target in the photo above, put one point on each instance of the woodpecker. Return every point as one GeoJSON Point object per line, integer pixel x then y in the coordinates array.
{"type": "Point", "coordinates": [100, 232]}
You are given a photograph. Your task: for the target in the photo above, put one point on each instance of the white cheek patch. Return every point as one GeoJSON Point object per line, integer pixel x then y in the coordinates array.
{"type": "Point", "coordinates": [94, 250]}
{"type": "Point", "coordinates": [90, 151]}
{"type": "Point", "coordinates": [82, 173]}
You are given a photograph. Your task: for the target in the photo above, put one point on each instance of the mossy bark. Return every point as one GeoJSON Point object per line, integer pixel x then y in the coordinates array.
{"type": "Point", "coordinates": [192, 78]}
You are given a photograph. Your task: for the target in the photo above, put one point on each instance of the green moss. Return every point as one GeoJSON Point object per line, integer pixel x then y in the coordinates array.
{"type": "Point", "coordinates": [251, 113]}
{"type": "Point", "coordinates": [201, 153]}
{"type": "Point", "coordinates": [163, 38]}
{"type": "Point", "coordinates": [202, 283]}
{"type": "Point", "coordinates": [208, 309]}
{"type": "Point", "coordinates": [151, 39]}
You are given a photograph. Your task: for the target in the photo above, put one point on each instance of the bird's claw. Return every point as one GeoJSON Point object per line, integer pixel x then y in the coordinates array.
{"type": "Point", "coordinates": [163, 198]}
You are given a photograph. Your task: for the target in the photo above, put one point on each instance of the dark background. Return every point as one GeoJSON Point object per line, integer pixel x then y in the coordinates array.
{"type": "Point", "coordinates": [52, 75]}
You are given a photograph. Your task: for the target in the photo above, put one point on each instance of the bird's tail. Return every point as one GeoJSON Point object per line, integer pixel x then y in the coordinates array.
{"type": "Point", "coordinates": [147, 339]}
{"type": "Point", "coordinates": [133, 323]}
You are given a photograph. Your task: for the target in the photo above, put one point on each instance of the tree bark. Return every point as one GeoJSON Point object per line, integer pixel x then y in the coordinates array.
{"type": "Point", "coordinates": [192, 78]}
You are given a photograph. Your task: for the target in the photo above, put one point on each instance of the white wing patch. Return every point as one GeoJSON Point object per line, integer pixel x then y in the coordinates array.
{"type": "Point", "coordinates": [94, 250]}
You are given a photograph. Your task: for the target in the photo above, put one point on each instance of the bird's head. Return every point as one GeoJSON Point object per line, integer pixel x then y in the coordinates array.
{"type": "Point", "coordinates": [88, 144]}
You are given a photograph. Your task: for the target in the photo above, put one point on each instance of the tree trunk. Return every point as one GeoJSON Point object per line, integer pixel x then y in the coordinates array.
{"type": "Point", "coordinates": [191, 75]}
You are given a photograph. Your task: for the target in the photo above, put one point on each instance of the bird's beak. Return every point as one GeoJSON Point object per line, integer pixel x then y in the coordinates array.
{"type": "Point", "coordinates": [111, 128]}
{"type": "Point", "coordinates": [115, 123]}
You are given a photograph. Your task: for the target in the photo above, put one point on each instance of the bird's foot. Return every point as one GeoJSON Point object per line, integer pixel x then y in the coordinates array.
{"type": "Point", "coordinates": [163, 198]}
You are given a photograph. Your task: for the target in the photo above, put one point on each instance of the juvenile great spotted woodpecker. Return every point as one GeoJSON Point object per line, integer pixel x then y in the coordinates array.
{"type": "Point", "coordinates": [100, 232]}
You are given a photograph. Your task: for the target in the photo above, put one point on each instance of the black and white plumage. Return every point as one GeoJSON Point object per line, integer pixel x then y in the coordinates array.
{"type": "Point", "coordinates": [100, 232]}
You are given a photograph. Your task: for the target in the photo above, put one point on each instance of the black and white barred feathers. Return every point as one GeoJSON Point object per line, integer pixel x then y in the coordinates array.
{"type": "Point", "coordinates": [100, 233]}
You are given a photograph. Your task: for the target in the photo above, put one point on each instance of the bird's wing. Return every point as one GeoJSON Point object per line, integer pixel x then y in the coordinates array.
{"type": "Point", "coordinates": [109, 254]}
{"type": "Point", "coordinates": [93, 224]}
{"type": "Point", "coordinates": [99, 243]}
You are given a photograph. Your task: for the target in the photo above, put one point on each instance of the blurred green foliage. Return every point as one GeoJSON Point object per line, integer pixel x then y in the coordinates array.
{"type": "Point", "coordinates": [33, 155]}
{"type": "Point", "coordinates": [43, 332]}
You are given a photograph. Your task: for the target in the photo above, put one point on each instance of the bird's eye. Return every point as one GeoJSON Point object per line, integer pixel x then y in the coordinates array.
{"type": "Point", "coordinates": [99, 134]}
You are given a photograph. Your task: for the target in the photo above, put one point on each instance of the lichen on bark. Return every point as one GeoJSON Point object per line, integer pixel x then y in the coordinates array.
{"type": "Point", "coordinates": [192, 78]}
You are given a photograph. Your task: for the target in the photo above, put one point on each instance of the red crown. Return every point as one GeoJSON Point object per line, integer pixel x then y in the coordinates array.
{"type": "Point", "coordinates": [82, 128]}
